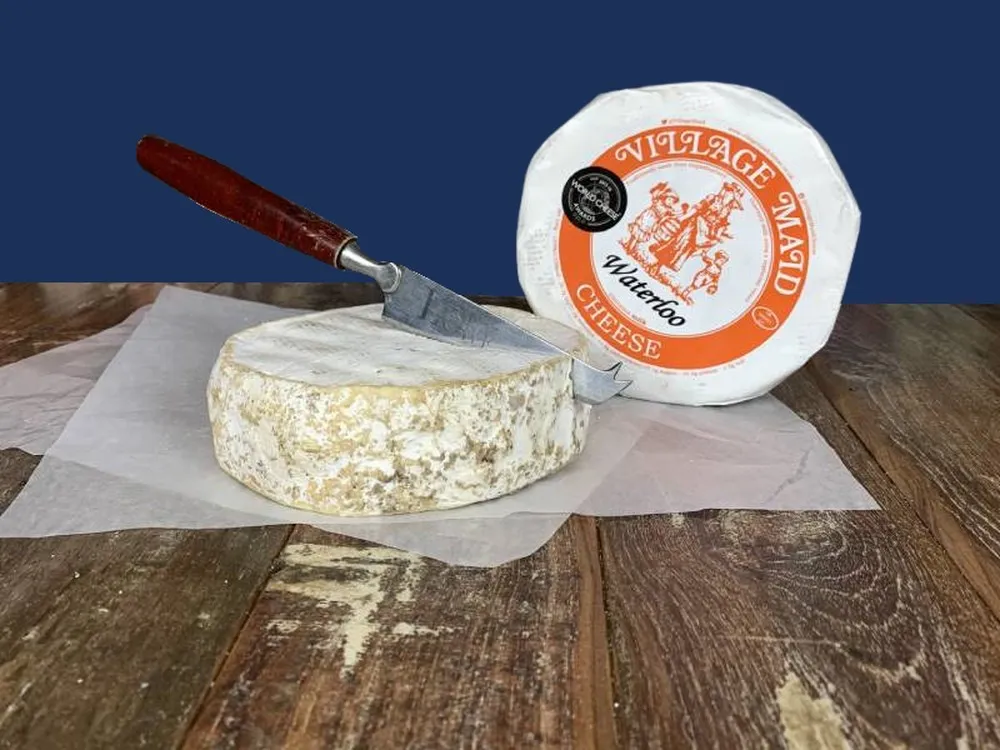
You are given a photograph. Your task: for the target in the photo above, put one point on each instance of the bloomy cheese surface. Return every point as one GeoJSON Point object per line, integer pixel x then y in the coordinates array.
{"type": "Point", "coordinates": [701, 233]}
{"type": "Point", "coordinates": [341, 413]}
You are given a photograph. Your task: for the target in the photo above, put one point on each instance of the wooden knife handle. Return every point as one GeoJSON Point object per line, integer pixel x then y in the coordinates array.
{"type": "Point", "coordinates": [223, 191]}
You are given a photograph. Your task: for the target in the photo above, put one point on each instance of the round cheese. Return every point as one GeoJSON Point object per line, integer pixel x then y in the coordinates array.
{"type": "Point", "coordinates": [339, 412]}
{"type": "Point", "coordinates": [700, 233]}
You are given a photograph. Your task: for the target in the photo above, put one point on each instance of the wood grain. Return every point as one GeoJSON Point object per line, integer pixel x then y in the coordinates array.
{"type": "Point", "coordinates": [15, 468]}
{"type": "Point", "coordinates": [800, 630]}
{"type": "Point", "coordinates": [320, 296]}
{"type": "Point", "coordinates": [920, 385]}
{"type": "Point", "coordinates": [353, 645]}
{"type": "Point", "coordinates": [37, 317]}
{"type": "Point", "coordinates": [988, 315]}
{"type": "Point", "coordinates": [303, 296]}
{"type": "Point", "coordinates": [110, 640]}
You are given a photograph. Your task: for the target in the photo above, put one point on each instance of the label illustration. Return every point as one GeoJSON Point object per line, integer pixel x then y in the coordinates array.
{"type": "Point", "coordinates": [701, 263]}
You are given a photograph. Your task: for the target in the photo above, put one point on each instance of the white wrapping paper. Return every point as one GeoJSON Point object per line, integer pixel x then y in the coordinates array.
{"type": "Point", "coordinates": [137, 453]}
{"type": "Point", "coordinates": [38, 395]}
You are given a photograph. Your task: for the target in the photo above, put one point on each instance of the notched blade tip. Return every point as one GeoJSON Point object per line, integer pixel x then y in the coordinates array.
{"type": "Point", "coordinates": [614, 371]}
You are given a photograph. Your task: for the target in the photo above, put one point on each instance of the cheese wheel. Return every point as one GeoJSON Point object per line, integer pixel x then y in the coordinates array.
{"type": "Point", "coordinates": [700, 233]}
{"type": "Point", "coordinates": [341, 413]}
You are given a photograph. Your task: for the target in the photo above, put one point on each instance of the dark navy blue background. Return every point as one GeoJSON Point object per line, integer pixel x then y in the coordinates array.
{"type": "Point", "coordinates": [412, 125]}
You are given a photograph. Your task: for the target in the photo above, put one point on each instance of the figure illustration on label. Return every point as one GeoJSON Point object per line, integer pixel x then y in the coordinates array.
{"type": "Point", "coordinates": [705, 266]}
{"type": "Point", "coordinates": [668, 234]}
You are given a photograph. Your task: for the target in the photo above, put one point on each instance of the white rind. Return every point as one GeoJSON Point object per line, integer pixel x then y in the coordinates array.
{"type": "Point", "coordinates": [340, 413]}
{"type": "Point", "coordinates": [801, 153]}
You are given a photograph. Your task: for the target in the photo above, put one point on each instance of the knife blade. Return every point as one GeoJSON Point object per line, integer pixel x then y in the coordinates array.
{"type": "Point", "coordinates": [412, 301]}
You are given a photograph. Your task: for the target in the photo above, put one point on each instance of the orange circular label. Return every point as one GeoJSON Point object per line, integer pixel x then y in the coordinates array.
{"type": "Point", "coordinates": [701, 258]}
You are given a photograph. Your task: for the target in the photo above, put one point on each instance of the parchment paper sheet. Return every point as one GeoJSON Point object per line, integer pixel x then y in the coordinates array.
{"type": "Point", "coordinates": [38, 395]}
{"type": "Point", "coordinates": [137, 452]}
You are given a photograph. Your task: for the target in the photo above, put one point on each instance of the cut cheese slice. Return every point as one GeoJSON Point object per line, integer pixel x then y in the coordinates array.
{"type": "Point", "coordinates": [702, 232]}
{"type": "Point", "coordinates": [339, 412]}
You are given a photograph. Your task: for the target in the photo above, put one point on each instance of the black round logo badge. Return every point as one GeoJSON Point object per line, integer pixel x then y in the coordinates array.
{"type": "Point", "coordinates": [594, 199]}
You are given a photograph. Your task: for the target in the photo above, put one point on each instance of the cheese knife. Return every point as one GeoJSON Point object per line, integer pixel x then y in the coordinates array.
{"type": "Point", "coordinates": [412, 301]}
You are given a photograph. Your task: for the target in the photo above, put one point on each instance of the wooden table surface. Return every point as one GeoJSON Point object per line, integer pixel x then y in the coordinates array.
{"type": "Point", "coordinates": [722, 629]}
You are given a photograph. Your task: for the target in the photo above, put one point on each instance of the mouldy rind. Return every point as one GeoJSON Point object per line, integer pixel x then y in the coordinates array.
{"type": "Point", "coordinates": [340, 413]}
